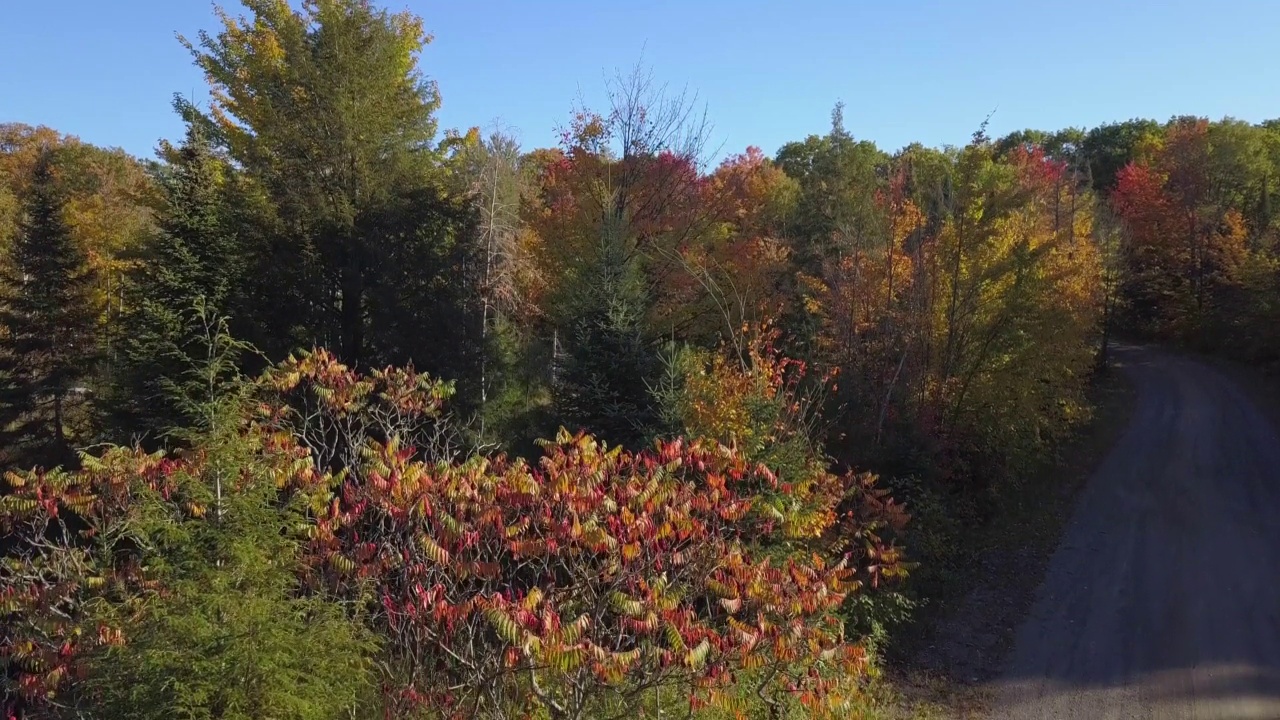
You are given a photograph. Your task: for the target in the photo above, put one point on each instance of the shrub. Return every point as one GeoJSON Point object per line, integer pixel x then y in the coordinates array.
{"type": "Point", "coordinates": [231, 578]}
{"type": "Point", "coordinates": [591, 579]}
{"type": "Point", "coordinates": [142, 586]}
{"type": "Point", "coordinates": [762, 405]}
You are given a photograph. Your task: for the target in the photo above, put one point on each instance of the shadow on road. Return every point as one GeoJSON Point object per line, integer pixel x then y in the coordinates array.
{"type": "Point", "coordinates": [1163, 600]}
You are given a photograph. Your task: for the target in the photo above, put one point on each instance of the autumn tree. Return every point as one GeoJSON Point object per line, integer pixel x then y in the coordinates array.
{"type": "Point", "coordinates": [960, 328]}
{"type": "Point", "coordinates": [615, 208]}
{"type": "Point", "coordinates": [1112, 146]}
{"type": "Point", "coordinates": [742, 270]}
{"type": "Point", "coordinates": [638, 164]}
{"type": "Point", "coordinates": [48, 313]}
{"type": "Point", "coordinates": [1110, 241]}
{"type": "Point", "coordinates": [967, 302]}
{"type": "Point", "coordinates": [1064, 145]}
{"type": "Point", "coordinates": [108, 199]}
{"type": "Point", "coordinates": [1017, 302]}
{"type": "Point", "coordinates": [1187, 240]}
{"type": "Point", "coordinates": [1155, 267]}
{"type": "Point", "coordinates": [871, 306]}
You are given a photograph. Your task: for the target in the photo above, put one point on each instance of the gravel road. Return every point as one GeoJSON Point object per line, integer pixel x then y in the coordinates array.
{"type": "Point", "coordinates": [1163, 600]}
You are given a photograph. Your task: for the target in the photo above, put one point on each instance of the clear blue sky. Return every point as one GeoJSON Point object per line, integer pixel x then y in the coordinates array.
{"type": "Point", "coordinates": [768, 71]}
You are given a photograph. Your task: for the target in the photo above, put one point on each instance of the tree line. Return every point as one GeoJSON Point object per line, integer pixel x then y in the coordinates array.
{"type": "Point", "coordinates": [328, 413]}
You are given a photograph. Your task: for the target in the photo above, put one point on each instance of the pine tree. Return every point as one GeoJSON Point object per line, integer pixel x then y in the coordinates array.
{"type": "Point", "coordinates": [605, 379]}
{"type": "Point", "coordinates": [192, 261]}
{"type": "Point", "coordinates": [49, 348]}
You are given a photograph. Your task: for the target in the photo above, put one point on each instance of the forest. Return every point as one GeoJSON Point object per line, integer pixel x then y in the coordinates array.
{"type": "Point", "coordinates": [328, 412]}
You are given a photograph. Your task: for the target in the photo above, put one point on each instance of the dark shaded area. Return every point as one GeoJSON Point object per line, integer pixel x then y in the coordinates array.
{"type": "Point", "coordinates": [1163, 599]}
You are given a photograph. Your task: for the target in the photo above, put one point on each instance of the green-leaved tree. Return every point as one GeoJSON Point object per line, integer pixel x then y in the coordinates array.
{"type": "Point", "coordinates": [325, 109]}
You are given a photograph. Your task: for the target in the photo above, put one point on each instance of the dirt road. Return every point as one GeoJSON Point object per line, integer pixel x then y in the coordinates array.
{"type": "Point", "coordinates": [1163, 600]}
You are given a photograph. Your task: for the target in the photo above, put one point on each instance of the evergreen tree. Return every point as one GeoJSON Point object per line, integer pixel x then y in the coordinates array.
{"type": "Point", "coordinates": [48, 350]}
{"type": "Point", "coordinates": [192, 261]}
{"type": "Point", "coordinates": [838, 178]}
{"type": "Point", "coordinates": [233, 636]}
{"type": "Point", "coordinates": [604, 378]}
{"type": "Point", "coordinates": [325, 109]}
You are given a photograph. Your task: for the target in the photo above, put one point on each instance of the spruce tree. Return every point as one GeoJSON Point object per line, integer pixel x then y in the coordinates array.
{"type": "Point", "coordinates": [192, 261]}
{"type": "Point", "coordinates": [233, 635]}
{"type": "Point", "coordinates": [47, 312]}
{"type": "Point", "coordinates": [605, 377]}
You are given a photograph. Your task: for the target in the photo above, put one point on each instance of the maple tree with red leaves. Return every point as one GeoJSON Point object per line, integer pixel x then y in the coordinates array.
{"type": "Point", "coordinates": [1183, 252]}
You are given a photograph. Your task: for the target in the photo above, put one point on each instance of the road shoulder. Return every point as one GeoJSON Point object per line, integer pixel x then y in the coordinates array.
{"type": "Point", "coordinates": [1261, 385]}
{"type": "Point", "coordinates": [966, 648]}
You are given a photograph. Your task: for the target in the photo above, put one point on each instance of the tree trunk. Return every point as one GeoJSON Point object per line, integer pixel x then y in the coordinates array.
{"type": "Point", "coordinates": [1197, 262]}
{"type": "Point", "coordinates": [950, 353]}
{"type": "Point", "coordinates": [59, 436]}
{"type": "Point", "coordinates": [1104, 352]}
{"type": "Point", "coordinates": [352, 307]}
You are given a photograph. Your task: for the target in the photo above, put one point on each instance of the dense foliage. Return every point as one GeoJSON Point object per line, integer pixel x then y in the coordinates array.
{"type": "Point", "coordinates": [326, 413]}
{"type": "Point", "coordinates": [495, 588]}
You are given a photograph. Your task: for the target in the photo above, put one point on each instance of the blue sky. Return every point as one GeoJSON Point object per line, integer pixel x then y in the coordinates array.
{"type": "Point", "coordinates": [768, 72]}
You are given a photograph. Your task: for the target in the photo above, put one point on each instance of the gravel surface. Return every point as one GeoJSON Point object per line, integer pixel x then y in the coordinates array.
{"type": "Point", "coordinates": [1163, 600]}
